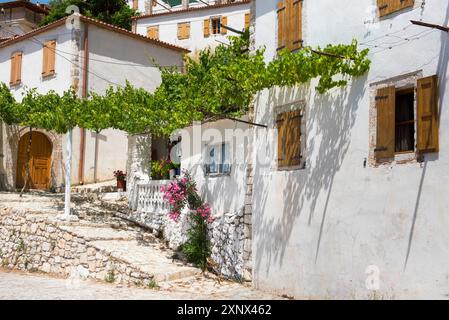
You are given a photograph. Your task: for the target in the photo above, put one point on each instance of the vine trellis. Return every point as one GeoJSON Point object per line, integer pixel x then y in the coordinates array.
{"type": "Point", "coordinates": [216, 82]}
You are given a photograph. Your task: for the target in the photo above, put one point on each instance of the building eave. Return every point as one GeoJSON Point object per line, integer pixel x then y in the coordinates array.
{"type": "Point", "coordinates": [192, 9]}
{"type": "Point", "coordinates": [97, 23]}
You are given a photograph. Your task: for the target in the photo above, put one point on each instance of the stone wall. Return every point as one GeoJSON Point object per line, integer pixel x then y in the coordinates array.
{"type": "Point", "coordinates": [226, 235]}
{"type": "Point", "coordinates": [38, 243]}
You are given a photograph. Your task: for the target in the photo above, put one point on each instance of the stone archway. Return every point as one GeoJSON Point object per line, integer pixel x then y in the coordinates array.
{"type": "Point", "coordinates": [40, 161]}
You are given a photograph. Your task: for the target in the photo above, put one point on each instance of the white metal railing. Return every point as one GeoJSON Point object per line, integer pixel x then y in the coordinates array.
{"type": "Point", "coordinates": [150, 198]}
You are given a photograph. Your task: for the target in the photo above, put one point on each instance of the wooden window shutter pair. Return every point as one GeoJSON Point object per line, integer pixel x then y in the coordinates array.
{"type": "Point", "coordinates": [427, 118]}
{"type": "Point", "coordinates": [224, 22]}
{"type": "Point", "coordinates": [49, 58]}
{"type": "Point", "coordinates": [247, 20]}
{"type": "Point", "coordinates": [153, 32]}
{"type": "Point", "coordinates": [184, 30]}
{"type": "Point", "coordinates": [289, 139]}
{"type": "Point", "coordinates": [387, 7]}
{"type": "Point", "coordinates": [289, 14]}
{"type": "Point", "coordinates": [16, 69]}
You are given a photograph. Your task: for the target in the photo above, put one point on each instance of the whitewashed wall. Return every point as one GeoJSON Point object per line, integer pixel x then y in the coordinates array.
{"type": "Point", "coordinates": [225, 193]}
{"type": "Point", "coordinates": [316, 231]}
{"type": "Point", "coordinates": [168, 26]}
{"type": "Point", "coordinates": [111, 63]}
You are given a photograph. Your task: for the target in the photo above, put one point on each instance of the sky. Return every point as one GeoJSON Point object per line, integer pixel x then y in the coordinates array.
{"type": "Point", "coordinates": [40, 1]}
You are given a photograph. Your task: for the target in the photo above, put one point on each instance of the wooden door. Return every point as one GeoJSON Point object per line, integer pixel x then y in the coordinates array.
{"type": "Point", "coordinates": [40, 161]}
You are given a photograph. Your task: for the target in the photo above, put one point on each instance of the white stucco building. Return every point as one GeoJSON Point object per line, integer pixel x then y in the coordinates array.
{"type": "Point", "coordinates": [19, 17]}
{"type": "Point", "coordinates": [89, 56]}
{"type": "Point", "coordinates": [362, 211]}
{"type": "Point", "coordinates": [194, 26]}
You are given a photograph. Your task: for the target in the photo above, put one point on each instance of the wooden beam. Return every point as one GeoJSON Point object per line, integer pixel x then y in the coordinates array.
{"type": "Point", "coordinates": [162, 5]}
{"type": "Point", "coordinates": [430, 25]}
{"type": "Point", "coordinates": [232, 29]}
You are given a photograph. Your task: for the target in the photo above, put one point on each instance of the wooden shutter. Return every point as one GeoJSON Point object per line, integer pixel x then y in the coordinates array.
{"type": "Point", "coordinates": [427, 113]}
{"type": "Point", "coordinates": [16, 69]}
{"type": "Point", "coordinates": [282, 25]}
{"type": "Point", "coordinates": [206, 28]}
{"type": "Point", "coordinates": [183, 30]}
{"type": "Point", "coordinates": [135, 4]}
{"type": "Point", "coordinates": [49, 57]}
{"type": "Point", "coordinates": [387, 7]}
{"type": "Point", "coordinates": [280, 122]}
{"type": "Point", "coordinates": [153, 32]}
{"type": "Point", "coordinates": [289, 139]}
{"type": "Point", "coordinates": [224, 22]}
{"type": "Point", "coordinates": [386, 117]}
{"type": "Point", "coordinates": [295, 24]}
{"type": "Point", "coordinates": [247, 20]}
{"type": "Point", "coordinates": [293, 138]}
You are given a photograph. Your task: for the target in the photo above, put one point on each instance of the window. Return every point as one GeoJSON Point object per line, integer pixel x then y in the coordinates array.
{"type": "Point", "coordinates": [289, 14]}
{"type": "Point", "coordinates": [183, 30]}
{"type": "Point", "coordinates": [289, 139]}
{"type": "Point", "coordinates": [387, 7]}
{"type": "Point", "coordinates": [398, 129]}
{"type": "Point", "coordinates": [16, 69]}
{"type": "Point", "coordinates": [214, 26]}
{"type": "Point", "coordinates": [135, 4]}
{"type": "Point", "coordinates": [218, 159]}
{"type": "Point", "coordinates": [49, 58]}
{"type": "Point", "coordinates": [405, 121]}
{"type": "Point", "coordinates": [153, 32]}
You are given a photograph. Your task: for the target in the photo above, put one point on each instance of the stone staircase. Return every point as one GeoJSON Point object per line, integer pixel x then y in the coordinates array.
{"type": "Point", "coordinates": [97, 244]}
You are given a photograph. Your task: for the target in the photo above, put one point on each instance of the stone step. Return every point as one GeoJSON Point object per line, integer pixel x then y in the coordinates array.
{"type": "Point", "coordinates": [148, 259]}
{"type": "Point", "coordinates": [102, 233]}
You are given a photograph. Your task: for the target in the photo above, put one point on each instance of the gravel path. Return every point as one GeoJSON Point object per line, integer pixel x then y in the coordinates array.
{"type": "Point", "coordinates": [21, 286]}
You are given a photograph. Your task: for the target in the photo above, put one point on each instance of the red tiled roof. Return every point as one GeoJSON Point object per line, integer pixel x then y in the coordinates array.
{"type": "Point", "coordinates": [94, 22]}
{"type": "Point", "coordinates": [190, 9]}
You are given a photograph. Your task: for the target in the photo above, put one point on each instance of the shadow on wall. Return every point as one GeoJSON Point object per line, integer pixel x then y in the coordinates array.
{"type": "Point", "coordinates": [331, 116]}
{"type": "Point", "coordinates": [442, 76]}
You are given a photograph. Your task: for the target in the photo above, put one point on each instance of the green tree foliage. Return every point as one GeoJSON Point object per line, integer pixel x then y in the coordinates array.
{"type": "Point", "coordinates": [215, 84]}
{"type": "Point", "coordinates": [116, 12]}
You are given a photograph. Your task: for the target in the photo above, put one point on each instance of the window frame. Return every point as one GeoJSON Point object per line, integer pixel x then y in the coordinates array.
{"type": "Point", "coordinates": [403, 91]}
{"type": "Point", "coordinates": [212, 19]}
{"type": "Point", "coordinates": [292, 107]}
{"type": "Point", "coordinates": [426, 109]}
{"type": "Point", "coordinates": [223, 156]}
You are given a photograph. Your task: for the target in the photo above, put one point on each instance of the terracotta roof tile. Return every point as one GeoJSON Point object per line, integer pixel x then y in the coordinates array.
{"type": "Point", "coordinates": [96, 23]}
{"type": "Point", "coordinates": [193, 9]}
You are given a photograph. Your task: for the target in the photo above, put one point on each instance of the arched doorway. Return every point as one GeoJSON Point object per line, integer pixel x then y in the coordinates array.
{"type": "Point", "coordinates": [40, 161]}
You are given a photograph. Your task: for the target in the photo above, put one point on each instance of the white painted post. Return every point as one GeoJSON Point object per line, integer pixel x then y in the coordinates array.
{"type": "Point", "coordinates": [68, 167]}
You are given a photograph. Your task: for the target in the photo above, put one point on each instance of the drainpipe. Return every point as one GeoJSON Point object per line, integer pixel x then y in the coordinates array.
{"type": "Point", "coordinates": [84, 94]}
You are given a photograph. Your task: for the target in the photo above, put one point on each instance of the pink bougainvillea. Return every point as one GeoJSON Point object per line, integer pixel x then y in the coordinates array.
{"type": "Point", "coordinates": [182, 192]}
